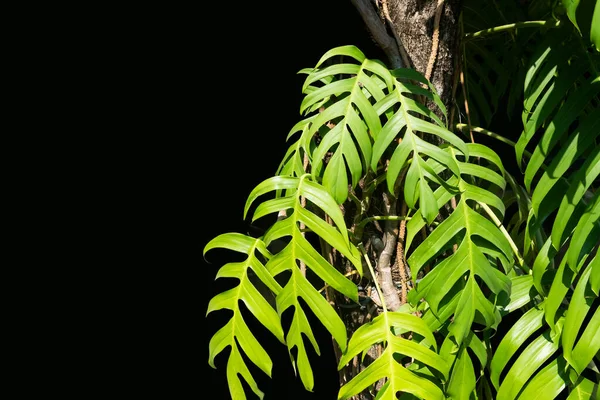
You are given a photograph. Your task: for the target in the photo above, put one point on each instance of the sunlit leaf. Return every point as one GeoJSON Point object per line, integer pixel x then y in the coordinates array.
{"type": "Point", "coordinates": [400, 379]}
{"type": "Point", "coordinates": [236, 328]}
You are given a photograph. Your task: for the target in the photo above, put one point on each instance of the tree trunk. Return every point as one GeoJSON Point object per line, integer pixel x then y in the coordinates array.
{"type": "Point", "coordinates": [407, 26]}
{"type": "Point", "coordinates": [412, 36]}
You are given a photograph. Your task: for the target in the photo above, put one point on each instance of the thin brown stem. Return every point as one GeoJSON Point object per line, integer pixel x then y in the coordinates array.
{"type": "Point", "coordinates": [400, 255]}
{"type": "Point", "coordinates": [435, 39]}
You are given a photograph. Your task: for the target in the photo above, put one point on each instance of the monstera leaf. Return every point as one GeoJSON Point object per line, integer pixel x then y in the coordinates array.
{"type": "Point", "coordinates": [463, 379]}
{"type": "Point", "coordinates": [236, 331]}
{"type": "Point", "coordinates": [350, 110]}
{"type": "Point", "coordinates": [293, 161]}
{"type": "Point", "coordinates": [405, 126]}
{"type": "Point", "coordinates": [388, 365]}
{"type": "Point", "coordinates": [300, 249]}
{"type": "Point", "coordinates": [478, 238]}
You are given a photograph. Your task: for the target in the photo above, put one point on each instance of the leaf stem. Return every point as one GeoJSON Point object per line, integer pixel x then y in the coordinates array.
{"type": "Point", "coordinates": [511, 27]}
{"type": "Point", "coordinates": [513, 246]}
{"type": "Point", "coordinates": [379, 292]}
{"type": "Point", "coordinates": [465, 127]}
{"type": "Point", "coordinates": [383, 218]}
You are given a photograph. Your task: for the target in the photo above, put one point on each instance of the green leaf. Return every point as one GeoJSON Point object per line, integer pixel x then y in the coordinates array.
{"type": "Point", "coordinates": [580, 183]}
{"type": "Point", "coordinates": [585, 15]}
{"type": "Point", "coordinates": [548, 383]}
{"type": "Point", "coordinates": [559, 289]}
{"type": "Point", "coordinates": [403, 126]}
{"type": "Point", "coordinates": [576, 102]}
{"type": "Point", "coordinates": [542, 264]}
{"type": "Point", "coordinates": [520, 289]}
{"type": "Point", "coordinates": [530, 322]}
{"type": "Point", "coordinates": [581, 140]}
{"type": "Point", "coordinates": [469, 260]}
{"type": "Point", "coordinates": [534, 230]}
{"type": "Point", "coordinates": [595, 278]}
{"type": "Point", "coordinates": [298, 287]}
{"type": "Point", "coordinates": [348, 51]}
{"type": "Point", "coordinates": [274, 183]}
{"type": "Point", "coordinates": [444, 312]}
{"type": "Point", "coordinates": [400, 379]}
{"type": "Point", "coordinates": [589, 343]}
{"type": "Point", "coordinates": [236, 367]}
{"type": "Point", "coordinates": [357, 121]}
{"type": "Point", "coordinates": [293, 161]}
{"type": "Point", "coordinates": [595, 27]}
{"type": "Point", "coordinates": [584, 390]}
{"type": "Point", "coordinates": [462, 380]}
{"type": "Point", "coordinates": [299, 249]}
{"type": "Point", "coordinates": [336, 69]}
{"type": "Point", "coordinates": [571, 7]}
{"type": "Point", "coordinates": [315, 193]}
{"type": "Point", "coordinates": [585, 236]}
{"type": "Point", "coordinates": [562, 76]}
{"type": "Point", "coordinates": [236, 328]}
{"type": "Point", "coordinates": [529, 360]}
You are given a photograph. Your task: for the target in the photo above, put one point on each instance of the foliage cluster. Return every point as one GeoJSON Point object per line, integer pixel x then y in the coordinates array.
{"type": "Point", "coordinates": [474, 282]}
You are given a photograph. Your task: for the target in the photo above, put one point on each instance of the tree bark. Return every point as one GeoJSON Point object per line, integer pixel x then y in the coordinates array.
{"type": "Point", "coordinates": [413, 23]}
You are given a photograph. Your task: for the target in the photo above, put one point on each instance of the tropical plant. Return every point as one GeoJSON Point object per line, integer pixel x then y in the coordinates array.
{"type": "Point", "coordinates": [438, 273]}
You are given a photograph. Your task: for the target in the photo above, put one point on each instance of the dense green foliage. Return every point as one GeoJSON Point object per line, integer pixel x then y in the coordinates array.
{"type": "Point", "coordinates": [489, 253]}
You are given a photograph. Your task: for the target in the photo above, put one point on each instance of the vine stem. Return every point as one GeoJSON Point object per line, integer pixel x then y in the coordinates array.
{"type": "Point", "coordinates": [400, 255]}
{"type": "Point", "coordinates": [379, 292]}
{"type": "Point", "coordinates": [513, 246]}
{"type": "Point", "coordinates": [511, 27]}
{"type": "Point", "coordinates": [491, 134]}
{"type": "Point", "coordinates": [383, 218]}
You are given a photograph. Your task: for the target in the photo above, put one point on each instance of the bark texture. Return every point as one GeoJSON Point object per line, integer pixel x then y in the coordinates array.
{"type": "Point", "coordinates": [413, 21]}
{"type": "Point", "coordinates": [409, 24]}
